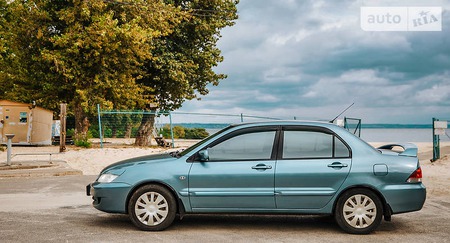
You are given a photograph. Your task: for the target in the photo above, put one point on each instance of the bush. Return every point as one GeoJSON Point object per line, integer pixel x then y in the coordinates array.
{"type": "Point", "coordinates": [70, 132]}
{"type": "Point", "coordinates": [83, 140]}
{"type": "Point", "coordinates": [82, 143]}
{"type": "Point", "coordinates": [178, 132]}
{"type": "Point", "coordinates": [196, 133]}
{"type": "Point", "coordinates": [183, 132]}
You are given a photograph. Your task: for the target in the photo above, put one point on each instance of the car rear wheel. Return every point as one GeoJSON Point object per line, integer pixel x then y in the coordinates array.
{"type": "Point", "coordinates": [358, 211]}
{"type": "Point", "coordinates": [152, 208]}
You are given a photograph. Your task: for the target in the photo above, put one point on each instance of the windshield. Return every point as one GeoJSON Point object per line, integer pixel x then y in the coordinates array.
{"type": "Point", "coordinates": [188, 150]}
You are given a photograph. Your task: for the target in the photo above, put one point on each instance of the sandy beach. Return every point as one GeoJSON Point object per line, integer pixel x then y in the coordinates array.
{"type": "Point", "coordinates": [91, 161]}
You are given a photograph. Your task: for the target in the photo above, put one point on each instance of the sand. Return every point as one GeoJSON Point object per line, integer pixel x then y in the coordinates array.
{"type": "Point", "coordinates": [92, 161]}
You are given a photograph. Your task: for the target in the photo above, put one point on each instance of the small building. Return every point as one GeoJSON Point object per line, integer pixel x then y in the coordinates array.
{"type": "Point", "coordinates": [30, 124]}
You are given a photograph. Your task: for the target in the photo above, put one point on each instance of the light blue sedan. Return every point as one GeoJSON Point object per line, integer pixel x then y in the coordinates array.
{"type": "Point", "coordinates": [283, 167]}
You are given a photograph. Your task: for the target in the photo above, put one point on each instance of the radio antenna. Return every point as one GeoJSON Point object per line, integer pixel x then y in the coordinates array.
{"type": "Point", "coordinates": [332, 121]}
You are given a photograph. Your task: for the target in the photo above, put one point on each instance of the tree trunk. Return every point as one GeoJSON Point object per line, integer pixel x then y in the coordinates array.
{"type": "Point", "coordinates": [114, 132]}
{"type": "Point", "coordinates": [128, 130]}
{"type": "Point", "coordinates": [144, 133]}
{"type": "Point", "coordinates": [81, 123]}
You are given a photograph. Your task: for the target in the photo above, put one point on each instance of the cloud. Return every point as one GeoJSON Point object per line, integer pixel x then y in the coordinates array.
{"type": "Point", "coordinates": [438, 94]}
{"type": "Point", "coordinates": [311, 59]}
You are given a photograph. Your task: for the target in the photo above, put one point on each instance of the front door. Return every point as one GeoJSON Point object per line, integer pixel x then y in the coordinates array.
{"type": "Point", "coordinates": [239, 175]}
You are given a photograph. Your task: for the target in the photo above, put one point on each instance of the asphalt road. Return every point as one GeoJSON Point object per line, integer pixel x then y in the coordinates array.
{"type": "Point", "coordinates": [55, 209]}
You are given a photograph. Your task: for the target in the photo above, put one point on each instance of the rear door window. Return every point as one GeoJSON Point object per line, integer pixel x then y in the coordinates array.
{"type": "Point", "coordinates": [304, 144]}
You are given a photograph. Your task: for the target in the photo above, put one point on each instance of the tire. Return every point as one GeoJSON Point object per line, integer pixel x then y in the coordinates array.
{"type": "Point", "coordinates": [358, 211]}
{"type": "Point", "coordinates": [152, 208]}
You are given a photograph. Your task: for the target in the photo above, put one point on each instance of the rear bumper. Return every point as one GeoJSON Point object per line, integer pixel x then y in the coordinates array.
{"type": "Point", "coordinates": [405, 198]}
{"type": "Point", "coordinates": [109, 197]}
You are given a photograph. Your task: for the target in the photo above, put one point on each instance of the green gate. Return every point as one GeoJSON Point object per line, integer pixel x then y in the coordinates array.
{"type": "Point", "coordinates": [353, 125]}
{"type": "Point", "coordinates": [439, 128]}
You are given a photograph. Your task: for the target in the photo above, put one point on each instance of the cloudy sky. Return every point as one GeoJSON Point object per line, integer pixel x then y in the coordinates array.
{"type": "Point", "coordinates": [311, 59]}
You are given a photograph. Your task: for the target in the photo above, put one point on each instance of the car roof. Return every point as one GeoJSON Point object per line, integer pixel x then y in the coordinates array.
{"type": "Point", "coordinates": [285, 122]}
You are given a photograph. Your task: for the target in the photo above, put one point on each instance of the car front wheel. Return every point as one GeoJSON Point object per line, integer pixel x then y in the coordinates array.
{"type": "Point", "coordinates": [358, 211]}
{"type": "Point", "coordinates": [152, 208]}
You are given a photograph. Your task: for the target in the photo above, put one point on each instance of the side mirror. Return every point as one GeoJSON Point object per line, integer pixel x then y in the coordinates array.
{"type": "Point", "coordinates": [203, 155]}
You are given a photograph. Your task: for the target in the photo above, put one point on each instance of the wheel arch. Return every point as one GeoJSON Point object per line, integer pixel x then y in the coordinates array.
{"type": "Point", "coordinates": [180, 205]}
{"type": "Point", "coordinates": [387, 211]}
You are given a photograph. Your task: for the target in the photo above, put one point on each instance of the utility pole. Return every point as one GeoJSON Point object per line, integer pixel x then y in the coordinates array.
{"type": "Point", "coordinates": [62, 135]}
{"type": "Point", "coordinates": [9, 147]}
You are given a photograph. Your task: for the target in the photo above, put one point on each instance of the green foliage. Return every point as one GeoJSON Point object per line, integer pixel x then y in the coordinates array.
{"type": "Point", "coordinates": [121, 56]}
{"type": "Point", "coordinates": [82, 140]}
{"type": "Point", "coordinates": [181, 67]}
{"type": "Point", "coordinates": [82, 143]}
{"type": "Point", "coordinates": [184, 133]}
{"type": "Point", "coordinates": [178, 132]}
{"type": "Point", "coordinates": [196, 133]}
{"type": "Point", "coordinates": [70, 132]}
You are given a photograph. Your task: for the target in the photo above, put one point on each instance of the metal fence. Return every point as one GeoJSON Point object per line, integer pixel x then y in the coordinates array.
{"type": "Point", "coordinates": [125, 123]}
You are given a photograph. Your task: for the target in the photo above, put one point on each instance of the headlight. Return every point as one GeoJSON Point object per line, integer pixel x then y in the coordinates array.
{"type": "Point", "coordinates": [107, 178]}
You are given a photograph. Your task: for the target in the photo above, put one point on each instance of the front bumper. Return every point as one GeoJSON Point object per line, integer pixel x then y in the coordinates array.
{"type": "Point", "coordinates": [109, 197]}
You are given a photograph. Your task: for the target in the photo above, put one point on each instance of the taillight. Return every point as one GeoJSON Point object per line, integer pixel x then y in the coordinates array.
{"type": "Point", "coordinates": [416, 176]}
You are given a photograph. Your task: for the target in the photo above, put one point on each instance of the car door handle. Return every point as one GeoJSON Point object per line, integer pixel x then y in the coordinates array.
{"type": "Point", "coordinates": [337, 165]}
{"type": "Point", "coordinates": [262, 167]}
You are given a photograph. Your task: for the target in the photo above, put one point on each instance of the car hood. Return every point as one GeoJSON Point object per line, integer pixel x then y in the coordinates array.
{"type": "Point", "coordinates": [142, 159]}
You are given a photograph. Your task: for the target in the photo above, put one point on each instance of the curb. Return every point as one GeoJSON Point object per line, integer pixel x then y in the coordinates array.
{"type": "Point", "coordinates": [37, 169]}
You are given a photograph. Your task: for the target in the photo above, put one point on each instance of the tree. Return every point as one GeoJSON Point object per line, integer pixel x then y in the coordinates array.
{"type": "Point", "coordinates": [120, 54]}
{"type": "Point", "coordinates": [80, 52]}
{"type": "Point", "coordinates": [23, 33]}
{"type": "Point", "coordinates": [183, 61]}
{"type": "Point", "coordinates": [101, 51]}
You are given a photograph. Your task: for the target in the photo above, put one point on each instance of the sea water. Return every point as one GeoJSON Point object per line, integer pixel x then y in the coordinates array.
{"type": "Point", "coordinates": [400, 135]}
{"type": "Point", "coordinates": [369, 132]}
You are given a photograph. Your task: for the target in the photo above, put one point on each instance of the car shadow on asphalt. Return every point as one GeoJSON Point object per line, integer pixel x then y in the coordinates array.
{"type": "Point", "coordinates": [250, 222]}
{"type": "Point", "coordinates": [228, 221]}
{"type": "Point", "coordinates": [257, 222]}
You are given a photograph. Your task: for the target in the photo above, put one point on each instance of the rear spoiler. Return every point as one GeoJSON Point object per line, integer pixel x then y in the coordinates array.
{"type": "Point", "coordinates": [410, 149]}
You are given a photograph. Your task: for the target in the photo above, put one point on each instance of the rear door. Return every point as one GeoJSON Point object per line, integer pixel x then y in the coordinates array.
{"type": "Point", "coordinates": [239, 175]}
{"type": "Point", "coordinates": [311, 167]}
